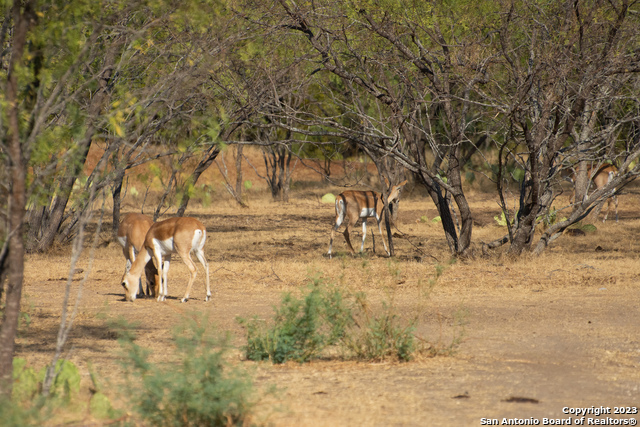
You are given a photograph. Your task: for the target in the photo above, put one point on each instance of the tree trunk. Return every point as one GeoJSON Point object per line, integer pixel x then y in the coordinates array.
{"type": "Point", "coordinates": [270, 163]}
{"type": "Point", "coordinates": [24, 16]}
{"type": "Point", "coordinates": [581, 183]}
{"type": "Point", "coordinates": [239, 150]}
{"type": "Point", "coordinates": [455, 180]}
{"type": "Point", "coordinates": [50, 228]}
{"type": "Point", "coordinates": [286, 175]}
{"type": "Point", "coordinates": [116, 194]}
{"type": "Point", "coordinates": [167, 190]}
{"type": "Point", "coordinates": [4, 267]}
{"type": "Point", "coordinates": [227, 182]}
{"type": "Point", "coordinates": [208, 158]}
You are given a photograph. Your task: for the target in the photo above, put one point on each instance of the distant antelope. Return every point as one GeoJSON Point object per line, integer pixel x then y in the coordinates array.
{"type": "Point", "coordinates": [180, 235]}
{"type": "Point", "coordinates": [600, 177]}
{"type": "Point", "coordinates": [131, 234]}
{"type": "Point", "coordinates": [353, 205]}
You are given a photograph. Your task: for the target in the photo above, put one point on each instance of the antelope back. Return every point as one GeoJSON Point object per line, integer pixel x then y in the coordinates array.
{"type": "Point", "coordinates": [603, 175]}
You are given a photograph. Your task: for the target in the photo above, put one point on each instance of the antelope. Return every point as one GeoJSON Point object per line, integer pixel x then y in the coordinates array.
{"type": "Point", "coordinates": [361, 204]}
{"type": "Point", "coordinates": [600, 178]}
{"type": "Point", "coordinates": [180, 235]}
{"type": "Point", "coordinates": [131, 234]}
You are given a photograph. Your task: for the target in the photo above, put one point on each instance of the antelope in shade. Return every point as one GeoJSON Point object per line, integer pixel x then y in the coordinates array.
{"type": "Point", "coordinates": [130, 235]}
{"type": "Point", "coordinates": [601, 177]}
{"type": "Point", "coordinates": [181, 235]}
{"type": "Point", "coordinates": [353, 205]}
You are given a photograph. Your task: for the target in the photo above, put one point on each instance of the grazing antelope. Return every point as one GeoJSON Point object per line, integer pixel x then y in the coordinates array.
{"type": "Point", "coordinates": [352, 205]}
{"type": "Point", "coordinates": [180, 235]}
{"type": "Point", "coordinates": [131, 234]}
{"type": "Point", "coordinates": [601, 177]}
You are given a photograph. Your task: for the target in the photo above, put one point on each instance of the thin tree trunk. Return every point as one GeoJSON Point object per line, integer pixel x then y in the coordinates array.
{"type": "Point", "coordinates": [24, 15]}
{"type": "Point", "coordinates": [66, 319]}
{"type": "Point", "coordinates": [270, 163]}
{"type": "Point", "coordinates": [227, 184]}
{"type": "Point", "coordinates": [208, 158]}
{"type": "Point", "coordinates": [466, 219]}
{"type": "Point", "coordinates": [286, 176]}
{"type": "Point", "coordinates": [4, 267]}
{"type": "Point", "coordinates": [116, 194]}
{"type": "Point", "coordinates": [239, 151]}
{"type": "Point", "coordinates": [167, 191]}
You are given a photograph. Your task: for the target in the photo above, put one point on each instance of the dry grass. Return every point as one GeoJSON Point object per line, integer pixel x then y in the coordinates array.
{"type": "Point", "coordinates": [560, 328]}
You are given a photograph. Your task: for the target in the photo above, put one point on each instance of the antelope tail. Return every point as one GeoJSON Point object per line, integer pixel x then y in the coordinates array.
{"type": "Point", "coordinates": [340, 210]}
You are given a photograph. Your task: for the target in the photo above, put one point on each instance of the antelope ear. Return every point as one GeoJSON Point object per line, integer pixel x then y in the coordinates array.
{"type": "Point", "coordinates": [402, 184]}
{"type": "Point", "coordinates": [386, 180]}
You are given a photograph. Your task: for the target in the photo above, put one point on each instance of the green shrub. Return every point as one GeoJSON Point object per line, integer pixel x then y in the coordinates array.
{"type": "Point", "coordinates": [12, 414]}
{"type": "Point", "coordinates": [196, 387]}
{"type": "Point", "coordinates": [66, 383]}
{"type": "Point", "coordinates": [381, 336]}
{"type": "Point", "coordinates": [25, 381]}
{"type": "Point", "coordinates": [27, 406]}
{"type": "Point", "coordinates": [304, 327]}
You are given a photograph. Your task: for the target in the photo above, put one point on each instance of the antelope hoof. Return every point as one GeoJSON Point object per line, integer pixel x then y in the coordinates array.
{"type": "Point", "coordinates": [208, 298]}
{"type": "Point", "coordinates": [185, 299]}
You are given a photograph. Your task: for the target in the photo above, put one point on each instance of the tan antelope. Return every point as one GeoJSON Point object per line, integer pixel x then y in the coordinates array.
{"type": "Point", "coordinates": [353, 205]}
{"type": "Point", "coordinates": [180, 235]}
{"type": "Point", "coordinates": [601, 177]}
{"type": "Point", "coordinates": [131, 234]}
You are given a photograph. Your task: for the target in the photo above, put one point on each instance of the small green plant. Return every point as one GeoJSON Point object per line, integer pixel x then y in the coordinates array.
{"type": "Point", "coordinates": [66, 383]}
{"type": "Point", "coordinates": [195, 387]}
{"type": "Point", "coordinates": [27, 405]}
{"type": "Point", "coordinates": [588, 228]}
{"type": "Point", "coordinates": [551, 218]}
{"type": "Point", "coordinates": [100, 405]}
{"type": "Point", "coordinates": [518, 174]}
{"type": "Point", "coordinates": [19, 415]}
{"type": "Point", "coordinates": [303, 327]}
{"type": "Point", "coordinates": [381, 336]}
{"type": "Point", "coordinates": [26, 384]}
{"type": "Point", "coordinates": [501, 219]}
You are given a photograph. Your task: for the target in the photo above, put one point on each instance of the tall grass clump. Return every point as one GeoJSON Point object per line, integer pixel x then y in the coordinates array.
{"type": "Point", "coordinates": [303, 328]}
{"type": "Point", "coordinates": [194, 386]}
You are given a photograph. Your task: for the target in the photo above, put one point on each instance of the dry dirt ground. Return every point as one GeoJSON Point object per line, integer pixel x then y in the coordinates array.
{"type": "Point", "coordinates": [538, 334]}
